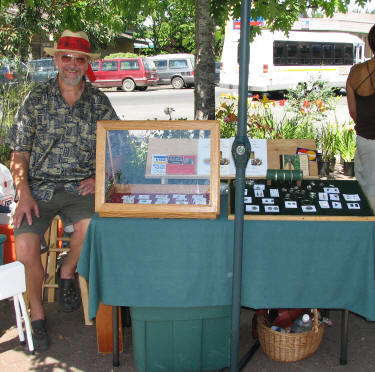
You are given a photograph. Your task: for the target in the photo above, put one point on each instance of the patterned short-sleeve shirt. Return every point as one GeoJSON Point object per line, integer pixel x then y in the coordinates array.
{"type": "Point", "coordinates": [61, 139]}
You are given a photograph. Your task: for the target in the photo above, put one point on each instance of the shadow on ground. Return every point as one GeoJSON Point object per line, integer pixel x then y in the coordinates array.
{"type": "Point", "coordinates": [74, 347]}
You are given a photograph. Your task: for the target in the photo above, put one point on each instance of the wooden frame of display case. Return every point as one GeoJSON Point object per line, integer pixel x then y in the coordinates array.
{"type": "Point", "coordinates": [208, 211]}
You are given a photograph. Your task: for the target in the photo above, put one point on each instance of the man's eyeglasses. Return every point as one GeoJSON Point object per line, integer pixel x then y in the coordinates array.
{"type": "Point", "coordinates": [67, 58]}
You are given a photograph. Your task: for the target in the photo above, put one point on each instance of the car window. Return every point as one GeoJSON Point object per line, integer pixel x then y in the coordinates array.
{"type": "Point", "coordinates": [178, 63]}
{"type": "Point", "coordinates": [129, 65]}
{"type": "Point", "coordinates": [161, 65]}
{"type": "Point", "coordinates": [109, 66]}
{"type": "Point", "coordinates": [42, 65]}
{"type": "Point", "coordinates": [149, 65]}
{"type": "Point", "coordinates": [48, 64]}
{"type": "Point", "coordinates": [95, 66]}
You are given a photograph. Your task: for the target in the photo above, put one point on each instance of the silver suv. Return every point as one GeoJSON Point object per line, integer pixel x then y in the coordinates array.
{"type": "Point", "coordinates": [42, 69]}
{"type": "Point", "coordinates": [176, 69]}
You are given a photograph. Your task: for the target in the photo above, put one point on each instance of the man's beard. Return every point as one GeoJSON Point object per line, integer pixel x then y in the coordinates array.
{"type": "Point", "coordinates": [71, 82]}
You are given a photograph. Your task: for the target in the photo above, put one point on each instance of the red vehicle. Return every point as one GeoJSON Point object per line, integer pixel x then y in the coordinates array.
{"type": "Point", "coordinates": [127, 73]}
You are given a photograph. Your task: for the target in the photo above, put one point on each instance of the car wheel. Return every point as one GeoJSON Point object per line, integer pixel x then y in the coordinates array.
{"type": "Point", "coordinates": [128, 85]}
{"type": "Point", "coordinates": [177, 82]}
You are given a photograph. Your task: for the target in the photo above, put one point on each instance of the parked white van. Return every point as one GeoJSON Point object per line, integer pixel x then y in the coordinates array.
{"type": "Point", "coordinates": [279, 62]}
{"type": "Point", "coordinates": [176, 69]}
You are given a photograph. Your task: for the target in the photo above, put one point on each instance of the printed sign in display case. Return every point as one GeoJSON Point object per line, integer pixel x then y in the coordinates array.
{"type": "Point", "coordinates": [157, 169]}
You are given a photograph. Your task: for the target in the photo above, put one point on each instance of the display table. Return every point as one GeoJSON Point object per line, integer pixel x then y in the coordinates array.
{"type": "Point", "coordinates": [188, 263]}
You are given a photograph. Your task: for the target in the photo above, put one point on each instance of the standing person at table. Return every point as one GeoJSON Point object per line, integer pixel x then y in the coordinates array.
{"type": "Point", "coordinates": [53, 143]}
{"type": "Point", "coordinates": [360, 89]}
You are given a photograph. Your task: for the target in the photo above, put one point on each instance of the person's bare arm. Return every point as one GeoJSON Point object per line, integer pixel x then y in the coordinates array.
{"type": "Point", "coordinates": [19, 166]}
{"type": "Point", "coordinates": [87, 186]}
{"type": "Point", "coordinates": [350, 96]}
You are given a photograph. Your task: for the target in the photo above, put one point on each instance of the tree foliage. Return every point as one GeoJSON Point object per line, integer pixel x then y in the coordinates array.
{"type": "Point", "coordinates": [169, 24]}
{"type": "Point", "coordinates": [280, 15]}
{"type": "Point", "coordinates": [101, 19]}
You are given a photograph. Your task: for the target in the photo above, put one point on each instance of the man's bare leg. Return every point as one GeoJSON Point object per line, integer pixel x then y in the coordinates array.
{"type": "Point", "coordinates": [28, 252]}
{"type": "Point", "coordinates": [76, 242]}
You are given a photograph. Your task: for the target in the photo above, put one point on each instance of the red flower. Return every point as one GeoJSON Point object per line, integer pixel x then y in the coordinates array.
{"type": "Point", "coordinates": [282, 102]}
{"type": "Point", "coordinates": [306, 104]}
{"type": "Point", "coordinates": [256, 96]}
{"type": "Point", "coordinates": [232, 116]}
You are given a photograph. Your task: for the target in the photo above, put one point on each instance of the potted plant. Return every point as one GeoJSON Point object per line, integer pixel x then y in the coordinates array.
{"type": "Point", "coordinates": [347, 147]}
{"type": "Point", "coordinates": [327, 139]}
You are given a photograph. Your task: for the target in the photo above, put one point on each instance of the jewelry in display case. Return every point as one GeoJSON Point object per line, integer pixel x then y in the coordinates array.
{"type": "Point", "coordinates": [157, 169]}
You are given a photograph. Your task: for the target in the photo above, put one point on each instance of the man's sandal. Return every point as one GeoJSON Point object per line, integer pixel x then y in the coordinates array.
{"type": "Point", "coordinates": [40, 334]}
{"type": "Point", "coordinates": [69, 296]}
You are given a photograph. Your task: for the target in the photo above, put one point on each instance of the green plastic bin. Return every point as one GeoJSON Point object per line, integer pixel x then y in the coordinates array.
{"type": "Point", "coordinates": [3, 238]}
{"type": "Point", "coordinates": [181, 339]}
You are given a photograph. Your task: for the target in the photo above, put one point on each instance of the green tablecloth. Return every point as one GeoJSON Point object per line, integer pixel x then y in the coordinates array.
{"type": "Point", "coordinates": [187, 263]}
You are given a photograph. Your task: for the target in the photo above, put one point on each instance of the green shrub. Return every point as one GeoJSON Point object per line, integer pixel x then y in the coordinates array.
{"type": "Point", "coordinates": [11, 98]}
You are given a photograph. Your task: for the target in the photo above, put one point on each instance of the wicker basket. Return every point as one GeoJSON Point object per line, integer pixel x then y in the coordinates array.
{"type": "Point", "coordinates": [290, 347]}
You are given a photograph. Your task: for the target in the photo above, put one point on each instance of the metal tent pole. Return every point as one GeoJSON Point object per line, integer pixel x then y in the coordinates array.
{"type": "Point", "coordinates": [241, 155]}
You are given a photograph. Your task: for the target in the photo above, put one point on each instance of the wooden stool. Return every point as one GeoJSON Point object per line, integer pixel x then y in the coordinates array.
{"type": "Point", "coordinates": [55, 239]}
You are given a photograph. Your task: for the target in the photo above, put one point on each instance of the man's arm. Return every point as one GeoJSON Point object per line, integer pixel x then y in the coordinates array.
{"type": "Point", "coordinates": [19, 166]}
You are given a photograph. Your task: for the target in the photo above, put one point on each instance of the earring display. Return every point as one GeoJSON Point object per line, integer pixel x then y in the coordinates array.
{"type": "Point", "coordinates": [312, 200]}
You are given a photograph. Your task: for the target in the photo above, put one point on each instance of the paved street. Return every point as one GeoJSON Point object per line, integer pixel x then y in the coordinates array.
{"type": "Point", "coordinates": [150, 105]}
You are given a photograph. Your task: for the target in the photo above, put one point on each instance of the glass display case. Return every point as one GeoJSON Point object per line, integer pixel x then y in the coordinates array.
{"type": "Point", "coordinates": [157, 169]}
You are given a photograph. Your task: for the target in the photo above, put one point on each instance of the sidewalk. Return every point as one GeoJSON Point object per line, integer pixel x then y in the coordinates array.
{"type": "Point", "coordinates": [74, 347]}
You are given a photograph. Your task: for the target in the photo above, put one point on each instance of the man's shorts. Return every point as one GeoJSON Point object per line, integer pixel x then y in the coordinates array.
{"type": "Point", "coordinates": [69, 207]}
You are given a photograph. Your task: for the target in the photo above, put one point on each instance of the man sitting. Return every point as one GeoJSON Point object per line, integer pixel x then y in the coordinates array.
{"type": "Point", "coordinates": [53, 143]}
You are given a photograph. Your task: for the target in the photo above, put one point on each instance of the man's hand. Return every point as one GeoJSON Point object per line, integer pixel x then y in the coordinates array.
{"type": "Point", "coordinates": [19, 166]}
{"type": "Point", "coordinates": [25, 207]}
{"type": "Point", "coordinates": [87, 186]}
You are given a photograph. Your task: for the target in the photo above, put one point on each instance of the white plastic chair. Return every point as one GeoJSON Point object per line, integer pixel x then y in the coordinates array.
{"type": "Point", "coordinates": [13, 284]}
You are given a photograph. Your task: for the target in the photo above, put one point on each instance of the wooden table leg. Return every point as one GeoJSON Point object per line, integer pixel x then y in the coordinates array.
{"type": "Point", "coordinates": [104, 329]}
